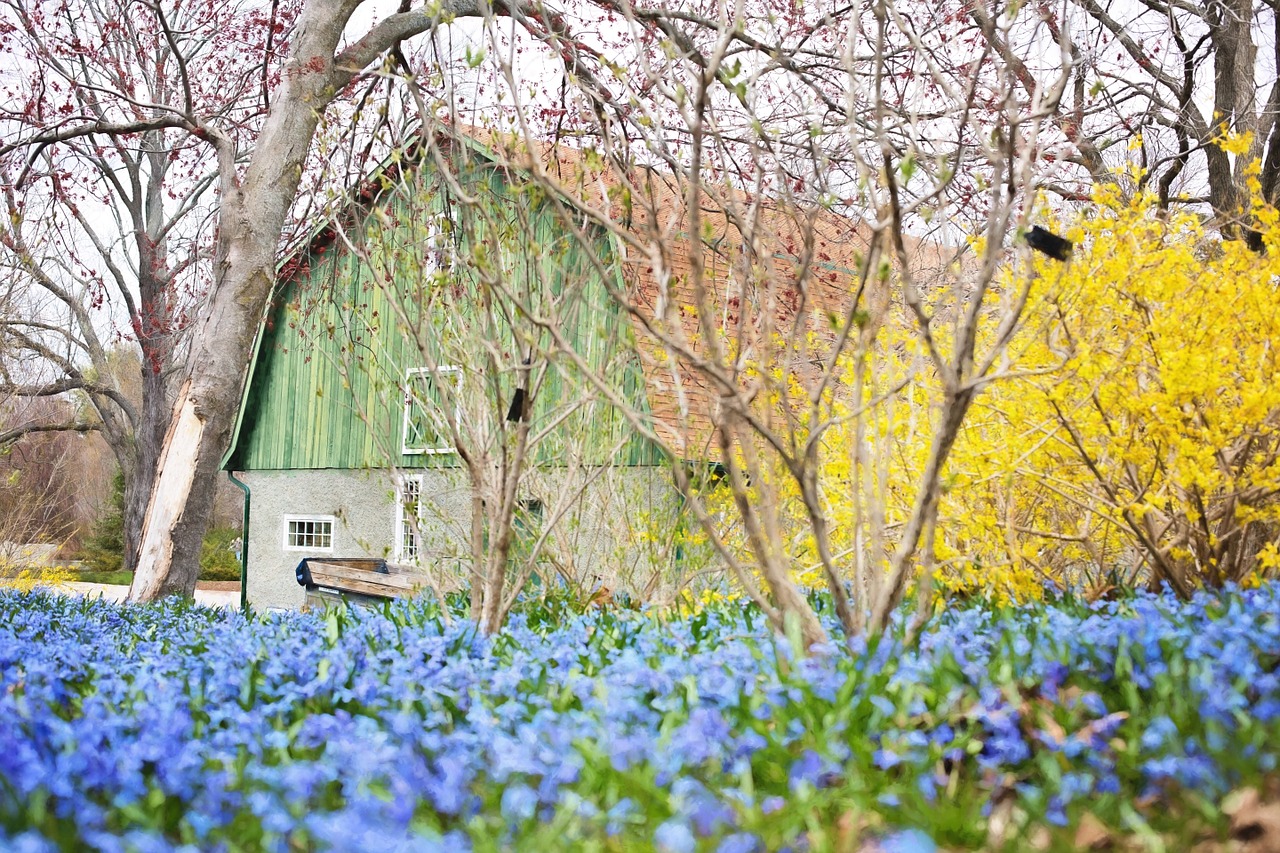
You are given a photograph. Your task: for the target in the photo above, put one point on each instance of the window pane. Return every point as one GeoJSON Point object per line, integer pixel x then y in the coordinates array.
{"type": "Point", "coordinates": [410, 495]}
{"type": "Point", "coordinates": [425, 427]}
{"type": "Point", "coordinates": [310, 533]}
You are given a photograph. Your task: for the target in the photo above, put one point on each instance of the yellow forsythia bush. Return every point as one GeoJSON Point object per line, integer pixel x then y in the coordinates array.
{"type": "Point", "coordinates": [1140, 438]}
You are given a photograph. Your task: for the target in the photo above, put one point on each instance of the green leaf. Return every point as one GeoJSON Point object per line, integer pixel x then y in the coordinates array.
{"type": "Point", "coordinates": [907, 167]}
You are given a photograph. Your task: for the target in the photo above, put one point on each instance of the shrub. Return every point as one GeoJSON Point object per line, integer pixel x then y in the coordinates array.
{"type": "Point", "coordinates": [1131, 435]}
{"type": "Point", "coordinates": [1142, 434]}
{"type": "Point", "coordinates": [104, 548]}
{"type": "Point", "coordinates": [218, 560]}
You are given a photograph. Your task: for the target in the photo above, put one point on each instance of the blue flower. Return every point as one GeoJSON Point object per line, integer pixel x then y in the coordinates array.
{"type": "Point", "coordinates": [885, 759]}
{"type": "Point", "coordinates": [739, 842]}
{"type": "Point", "coordinates": [673, 836]}
{"type": "Point", "coordinates": [908, 841]}
{"type": "Point", "coordinates": [365, 730]}
{"type": "Point", "coordinates": [1158, 733]}
{"type": "Point", "coordinates": [519, 802]}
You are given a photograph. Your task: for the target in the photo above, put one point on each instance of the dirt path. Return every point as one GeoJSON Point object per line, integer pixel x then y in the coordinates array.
{"type": "Point", "coordinates": [213, 594]}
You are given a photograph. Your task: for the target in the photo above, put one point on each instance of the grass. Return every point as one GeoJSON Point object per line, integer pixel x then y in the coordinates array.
{"type": "Point", "coordinates": [116, 578]}
{"type": "Point", "coordinates": [121, 577]}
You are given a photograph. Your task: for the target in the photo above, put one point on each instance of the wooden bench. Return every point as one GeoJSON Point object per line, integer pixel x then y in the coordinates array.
{"type": "Point", "coordinates": [328, 577]}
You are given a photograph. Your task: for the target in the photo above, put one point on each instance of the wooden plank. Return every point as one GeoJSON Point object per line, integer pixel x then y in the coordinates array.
{"type": "Point", "coordinates": [346, 585]}
{"type": "Point", "coordinates": [367, 564]}
{"type": "Point", "coordinates": [322, 598]}
{"type": "Point", "coordinates": [330, 575]}
{"type": "Point", "coordinates": [407, 570]}
{"type": "Point", "coordinates": [444, 582]}
{"type": "Point", "coordinates": [341, 572]}
{"type": "Point", "coordinates": [334, 575]}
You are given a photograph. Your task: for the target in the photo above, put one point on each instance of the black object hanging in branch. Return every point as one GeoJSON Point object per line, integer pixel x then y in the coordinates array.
{"type": "Point", "coordinates": [1046, 242]}
{"type": "Point", "coordinates": [519, 410]}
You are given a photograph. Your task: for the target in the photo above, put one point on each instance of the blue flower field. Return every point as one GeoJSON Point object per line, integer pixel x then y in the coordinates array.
{"type": "Point", "coordinates": [168, 726]}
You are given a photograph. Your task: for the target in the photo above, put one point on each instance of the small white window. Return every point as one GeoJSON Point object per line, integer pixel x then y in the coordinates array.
{"type": "Point", "coordinates": [426, 393]}
{"type": "Point", "coordinates": [408, 518]}
{"type": "Point", "coordinates": [308, 533]}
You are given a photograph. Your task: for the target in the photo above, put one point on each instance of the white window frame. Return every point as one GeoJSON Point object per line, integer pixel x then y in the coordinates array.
{"type": "Point", "coordinates": [408, 404]}
{"type": "Point", "coordinates": [401, 517]}
{"type": "Point", "coordinates": [331, 520]}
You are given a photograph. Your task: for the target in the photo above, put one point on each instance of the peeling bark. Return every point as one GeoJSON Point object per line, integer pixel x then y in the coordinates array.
{"type": "Point", "coordinates": [165, 510]}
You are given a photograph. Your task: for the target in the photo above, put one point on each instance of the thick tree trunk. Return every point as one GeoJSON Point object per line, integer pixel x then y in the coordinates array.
{"type": "Point", "coordinates": [178, 512]}
{"type": "Point", "coordinates": [148, 439]}
{"type": "Point", "coordinates": [1234, 107]}
{"type": "Point", "coordinates": [181, 499]}
{"type": "Point", "coordinates": [251, 217]}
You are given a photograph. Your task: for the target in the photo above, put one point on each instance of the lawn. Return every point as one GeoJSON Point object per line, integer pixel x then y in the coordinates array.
{"type": "Point", "coordinates": [121, 578]}
{"type": "Point", "coordinates": [1139, 722]}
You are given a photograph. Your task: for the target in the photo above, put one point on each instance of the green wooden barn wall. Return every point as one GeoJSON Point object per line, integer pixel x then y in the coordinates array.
{"type": "Point", "coordinates": [326, 389]}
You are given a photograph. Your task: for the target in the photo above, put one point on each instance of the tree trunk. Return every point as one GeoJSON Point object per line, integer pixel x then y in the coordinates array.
{"type": "Point", "coordinates": [204, 412]}
{"type": "Point", "coordinates": [925, 511]}
{"type": "Point", "coordinates": [148, 439]}
{"type": "Point", "coordinates": [186, 475]}
{"type": "Point", "coordinates": [182, 498]}
{"type": "Point", "coordinates": [252, 211]}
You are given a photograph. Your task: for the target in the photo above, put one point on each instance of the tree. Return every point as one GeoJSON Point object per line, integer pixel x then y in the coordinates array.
{"type": "Point", "coordinates": [106, 232]}
{"type": "Point", "coordinates": [511, 462]}
{"type": "Point", "coordinates": [258, 167]}
{"type": "Point", "coordinates": [1169, 78]}
{"type": "Point", "coordinates": [255, 172]}
{"type": "Point", "coordinates": [746, 297]}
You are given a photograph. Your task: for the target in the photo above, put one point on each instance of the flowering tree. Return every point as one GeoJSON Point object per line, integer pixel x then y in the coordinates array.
{"type": "Point", "coordinates": [107, 226]}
